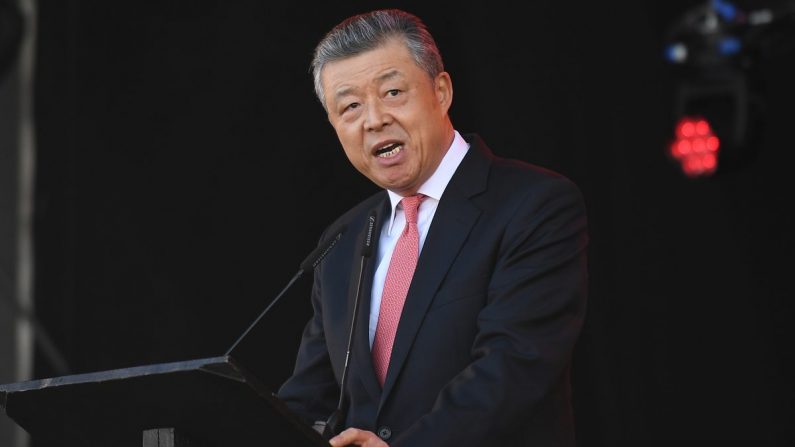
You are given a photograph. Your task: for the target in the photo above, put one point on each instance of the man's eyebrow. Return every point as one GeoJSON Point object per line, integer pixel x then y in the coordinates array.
{"type": "Point", "coordinates": [343, 92]}
{"type": "Point", "coordinates": [391, 74]}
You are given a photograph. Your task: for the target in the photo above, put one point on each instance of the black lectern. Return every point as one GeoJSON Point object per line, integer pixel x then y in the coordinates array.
{"type": "Point", "coordinates": [212, 402]}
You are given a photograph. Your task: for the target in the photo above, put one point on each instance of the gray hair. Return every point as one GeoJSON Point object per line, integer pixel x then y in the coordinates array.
{"type": "Point", "coordinates": [364, 32]}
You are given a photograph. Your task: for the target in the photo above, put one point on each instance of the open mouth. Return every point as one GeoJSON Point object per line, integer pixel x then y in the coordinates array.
{"type": "Point", "coordinates": [389, 150]}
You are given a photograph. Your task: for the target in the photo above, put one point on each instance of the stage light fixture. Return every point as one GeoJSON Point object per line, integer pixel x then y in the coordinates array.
{"type": "Point", "coordinates": [713, 50]}
{"type": "Point", "coordinates": [712, 112]}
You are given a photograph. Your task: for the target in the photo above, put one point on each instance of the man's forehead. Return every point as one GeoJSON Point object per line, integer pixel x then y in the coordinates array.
{"type": "Point", "coordinates": [375, 62]}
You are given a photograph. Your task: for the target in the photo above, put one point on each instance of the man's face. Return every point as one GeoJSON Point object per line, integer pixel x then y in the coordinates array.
{"type": "Point", "coordinates": [389, 115]}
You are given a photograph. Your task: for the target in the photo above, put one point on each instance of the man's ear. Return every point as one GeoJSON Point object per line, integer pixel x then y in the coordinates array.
{"type": "Point", "coordinates": [443, 86]}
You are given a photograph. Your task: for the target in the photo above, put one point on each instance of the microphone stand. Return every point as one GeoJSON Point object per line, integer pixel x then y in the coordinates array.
{"type": "Point", "coordinates": [309, 263]}
{"type": "Point", "coordinates": [331, 426]}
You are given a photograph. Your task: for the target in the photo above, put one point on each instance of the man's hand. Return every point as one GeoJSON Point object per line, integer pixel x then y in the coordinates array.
{"type": "Point", "coordinates": [354, 436]}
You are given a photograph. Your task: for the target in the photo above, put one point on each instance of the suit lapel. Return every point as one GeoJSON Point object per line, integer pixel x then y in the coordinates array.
{"type": "Point", "coordinates": [451, 225]}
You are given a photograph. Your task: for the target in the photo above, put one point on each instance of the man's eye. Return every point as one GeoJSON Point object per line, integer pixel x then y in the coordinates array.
{"type": "Point", "coordinates": [393, 92]}
{"type": "Point", "coordinates": [350, 106]}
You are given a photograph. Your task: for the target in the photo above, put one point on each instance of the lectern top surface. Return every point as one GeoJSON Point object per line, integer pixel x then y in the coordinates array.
{"type": "Point", "coordinates": [213, 400]}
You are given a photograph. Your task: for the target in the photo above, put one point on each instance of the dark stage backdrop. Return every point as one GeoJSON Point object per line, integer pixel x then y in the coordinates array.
{"type": "Point", "coordinates": [185, 169]}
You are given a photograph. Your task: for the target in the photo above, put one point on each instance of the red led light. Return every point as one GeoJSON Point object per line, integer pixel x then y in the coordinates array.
{"type": "Point", "coordinates": [709, 161]}
{"type": "Point", "coordinates": [686, 129]}
{"type": "Point", "coordinates": [713, 143]}
{"type": "Point", "coordinates": [699, 145]}
{"type": "Point", "coordinates": [696, 147]}
{"type": "Point", "coordinates": [684, 147]}
{"type": "Point", "coordinates": [702, 128]}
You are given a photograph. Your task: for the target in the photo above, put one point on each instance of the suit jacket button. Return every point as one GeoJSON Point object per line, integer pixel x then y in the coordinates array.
{"type": "Point", "coordinates": [385, 433]}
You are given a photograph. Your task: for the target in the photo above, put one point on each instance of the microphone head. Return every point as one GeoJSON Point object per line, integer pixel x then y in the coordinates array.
{"type": "Point", "coordinates": [321, 251]}
{"type": "Point", "coordinates": [367, 245]}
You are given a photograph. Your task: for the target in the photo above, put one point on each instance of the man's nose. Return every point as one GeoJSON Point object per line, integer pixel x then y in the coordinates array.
{"type": "Point", "coordinates": [376, 116]}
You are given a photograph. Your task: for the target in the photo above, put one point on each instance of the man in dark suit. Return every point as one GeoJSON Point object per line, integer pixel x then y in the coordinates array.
{"type": "Point", "coordinates": [475, 348]}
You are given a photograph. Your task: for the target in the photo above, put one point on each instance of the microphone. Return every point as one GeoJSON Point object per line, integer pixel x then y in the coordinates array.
{"type": "Point", "coordinates": [331, 426]}
{"type": "Point", "coordinates": [307, 264]}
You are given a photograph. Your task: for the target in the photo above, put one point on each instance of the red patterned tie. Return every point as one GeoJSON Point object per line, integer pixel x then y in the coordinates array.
{"type": "Point", "coordinates": [396, 286]}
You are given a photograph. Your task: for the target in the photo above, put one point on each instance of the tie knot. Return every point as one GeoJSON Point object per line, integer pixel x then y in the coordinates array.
{"type": "Point", "coordinates": [410, 206]}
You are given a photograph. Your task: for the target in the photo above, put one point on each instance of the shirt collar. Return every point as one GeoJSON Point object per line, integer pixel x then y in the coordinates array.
{"type": "Point", "coordinates": [435, 185]}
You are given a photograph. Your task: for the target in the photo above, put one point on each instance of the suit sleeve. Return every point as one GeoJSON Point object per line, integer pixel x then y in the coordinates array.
{"type": "Point", "coordinates": [526, 331]}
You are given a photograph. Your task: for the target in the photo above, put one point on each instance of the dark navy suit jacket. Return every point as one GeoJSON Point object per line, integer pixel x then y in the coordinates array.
{"type": "Point", "coordinates": [483, 350]}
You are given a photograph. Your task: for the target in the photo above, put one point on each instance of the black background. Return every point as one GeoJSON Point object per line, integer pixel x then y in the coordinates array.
{"type": "Point", "coordinates": [185, 169]}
